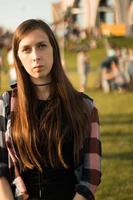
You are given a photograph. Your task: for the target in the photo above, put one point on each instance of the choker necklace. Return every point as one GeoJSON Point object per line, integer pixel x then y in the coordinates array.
{"type": "Point", "coordinates": [42, 84]}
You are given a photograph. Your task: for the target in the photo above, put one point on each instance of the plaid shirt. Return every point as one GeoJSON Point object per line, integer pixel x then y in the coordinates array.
{"type": "Point", "coordinates": [88, 172]}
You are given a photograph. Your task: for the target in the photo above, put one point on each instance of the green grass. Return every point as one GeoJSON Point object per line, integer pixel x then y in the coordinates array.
{"type": "Point", "coordinates": [121, 41]}
{"type": "Point", "coordinates": [116, 119]}
{"type": "Point", "coordinates": [116, 116]}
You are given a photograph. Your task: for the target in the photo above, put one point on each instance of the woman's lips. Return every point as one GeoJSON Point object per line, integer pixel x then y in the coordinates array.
{"type": "Point", "coordinates": [38, 67]}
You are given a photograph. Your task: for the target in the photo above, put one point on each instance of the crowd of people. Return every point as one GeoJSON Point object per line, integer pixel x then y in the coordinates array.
{"type": "Point", "coordinates": [116, 70]}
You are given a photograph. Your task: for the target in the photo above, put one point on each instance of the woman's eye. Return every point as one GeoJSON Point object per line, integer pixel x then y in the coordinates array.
{"type": "Point", "coordinates": [26, 50]}
{"type": "Point", "coordinates": [41, 46]}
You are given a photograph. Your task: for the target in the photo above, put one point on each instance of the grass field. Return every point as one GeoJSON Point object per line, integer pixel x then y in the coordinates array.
{"type": "Point", "coordinates": [116, 118]}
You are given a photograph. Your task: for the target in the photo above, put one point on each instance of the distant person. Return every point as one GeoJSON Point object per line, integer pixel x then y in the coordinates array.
{"type": "Point", "coordinates": [1, 64]}
{"type": "Point", "coordinates": [12, 71]}
{"type": "Point", "coordinates": [105, 67]}
{"type": "Point", "coordinates": [49, 132]}
{"type": "Point", "coordinates": [130, 66]}
{"type": "Point", "coordinates": [119, 81]}
{"type": "Point", "coordinates": [112, 78]}
{"type": "Point", "coordinates": [83, 67]}
{"type": "Point", "coordinates": [106, 75]}
{"type": "Point", "coordinates": [1, 60]}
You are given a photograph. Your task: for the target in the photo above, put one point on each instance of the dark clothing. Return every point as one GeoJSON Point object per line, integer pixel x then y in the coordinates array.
{"type": "Point", "coordinates": [52, 184]}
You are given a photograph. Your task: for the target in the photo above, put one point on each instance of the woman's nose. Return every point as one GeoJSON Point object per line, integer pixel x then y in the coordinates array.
{"type": "Point", "coordinates": [35, 55]}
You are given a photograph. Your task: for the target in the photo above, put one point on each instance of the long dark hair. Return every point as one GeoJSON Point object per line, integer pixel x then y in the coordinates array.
{"type": "Point", "coordinates": [25, 129]}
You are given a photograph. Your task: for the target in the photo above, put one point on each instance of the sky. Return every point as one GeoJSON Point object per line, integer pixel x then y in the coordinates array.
{"type": "Point", "coordinates": [13, 12]}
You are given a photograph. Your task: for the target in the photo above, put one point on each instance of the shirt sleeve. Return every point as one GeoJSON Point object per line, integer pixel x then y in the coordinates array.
{"type": "Point", "coordinates": [90, 171]}
{"type": "Point", "coordinates": [4, 171]}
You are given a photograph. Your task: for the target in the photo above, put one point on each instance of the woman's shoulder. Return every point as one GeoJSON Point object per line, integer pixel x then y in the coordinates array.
{"type": "Point", "coordinates": [4, 109]}
{"type": "Point", "coordinates": [87, 99]}
{"type": "Point", "coordinates": [5, 96]}
{"type": "Point", "coordinates": [5, 101]}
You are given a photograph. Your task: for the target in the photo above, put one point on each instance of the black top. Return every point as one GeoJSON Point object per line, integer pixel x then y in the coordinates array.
{"type": "Point", "coordinates": [52, 183]}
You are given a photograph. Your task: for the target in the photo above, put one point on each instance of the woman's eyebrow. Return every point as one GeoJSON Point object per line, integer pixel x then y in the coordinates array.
{"type": "Point", "coordinates": [24, 46]}
{"type": "Point", "coordinates": [43, 41]}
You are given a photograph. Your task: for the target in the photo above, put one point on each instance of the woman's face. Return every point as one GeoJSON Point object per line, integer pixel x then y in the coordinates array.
{"type": "Point", "coordinates": [36, 55]}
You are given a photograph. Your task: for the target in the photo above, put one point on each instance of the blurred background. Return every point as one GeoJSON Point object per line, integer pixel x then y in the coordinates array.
{"type": "Point", "coordinates": [96, 44]}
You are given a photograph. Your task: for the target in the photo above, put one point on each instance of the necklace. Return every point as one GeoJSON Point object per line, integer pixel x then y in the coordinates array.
{"type": "Point", "coordinates": [42, 84]}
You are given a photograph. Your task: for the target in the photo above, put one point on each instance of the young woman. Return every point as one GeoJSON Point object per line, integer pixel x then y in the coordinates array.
{"type": "Point", "coordinates": [49, 132]}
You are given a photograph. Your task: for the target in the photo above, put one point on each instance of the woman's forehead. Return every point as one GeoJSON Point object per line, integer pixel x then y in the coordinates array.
{"type": "Point", "coordinates": [37, 35]}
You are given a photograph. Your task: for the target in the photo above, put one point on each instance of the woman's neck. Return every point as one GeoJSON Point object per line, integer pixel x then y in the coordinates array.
{"type": "Point", "coordinates": [42, 88]}
{"type": "Point", "coordinates": [43, 92]}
